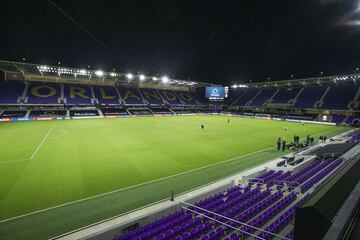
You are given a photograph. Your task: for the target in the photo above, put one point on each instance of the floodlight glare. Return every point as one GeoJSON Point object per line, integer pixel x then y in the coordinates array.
{"type": "Point", "coordinates": [234, 86]}
{"type": "Point", "coordinates": [99, 73]}
{"type": "Point", "coordinates": [82, 71]}
{"type": "Point", "coordinates": [164, 79]}
{"type": "Point", "coordinates": [155, 78]}
{"type": "Point", "coordinates": [129, 76]}
{"type": "Point", "coordinates": [142, 77]}
{"type": "Point", "coordinates": [112, 74]}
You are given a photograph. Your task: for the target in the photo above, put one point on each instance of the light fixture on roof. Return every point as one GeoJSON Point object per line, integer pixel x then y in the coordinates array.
{"type": "Point", "coordinates": [155, 79]}
{"type": "Point", "coordinates": [82, 72]}
{"type": "Point", "coordinates": [129, 76]}
{"type": "Point", "coordinates": [165, 79]}
{"type": "Point", "coordinates": [99, 73]}
{"type": "Point", "coordinates": [142, 77]}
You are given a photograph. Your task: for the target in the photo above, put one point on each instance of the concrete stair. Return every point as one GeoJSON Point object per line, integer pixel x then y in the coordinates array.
{"type": "Point", "coordinates": [319, 103]}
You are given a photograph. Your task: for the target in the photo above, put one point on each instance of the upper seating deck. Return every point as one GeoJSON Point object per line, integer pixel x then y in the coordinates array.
{"type": "Point", "coordinates": [339, 96]}
{"type": "Point", "coordinates": [10, 91]}
{"type": "Point", "coordinates": [263, 96]}
{"type": "Point", "coordinates": [245, 96]}
{"type": "Point", "coordinates": [284, 95]}
{"type": "Point", "coordinates": [309, 96]}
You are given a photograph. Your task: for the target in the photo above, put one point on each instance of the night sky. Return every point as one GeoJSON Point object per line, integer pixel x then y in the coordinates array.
{"type": "Point", "coordinates": [213, 41]}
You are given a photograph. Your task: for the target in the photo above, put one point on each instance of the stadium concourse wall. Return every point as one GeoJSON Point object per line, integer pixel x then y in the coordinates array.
{"type": "Point", "coordinates": [257, 116]}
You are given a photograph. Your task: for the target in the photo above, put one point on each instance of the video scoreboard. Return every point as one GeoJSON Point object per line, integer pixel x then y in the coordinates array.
{"type": "Point", "coordinates": [216, 93]}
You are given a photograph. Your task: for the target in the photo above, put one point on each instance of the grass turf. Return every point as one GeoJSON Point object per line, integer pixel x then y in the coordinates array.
{"type": "Point", "coordinates": [82, 158]}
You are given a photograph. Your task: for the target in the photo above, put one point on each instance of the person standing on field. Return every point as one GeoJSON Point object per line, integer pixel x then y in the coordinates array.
{"type": "Point", "coordinates": [283, 144]}
{"type": "Point", "coordinates": [278, 143]}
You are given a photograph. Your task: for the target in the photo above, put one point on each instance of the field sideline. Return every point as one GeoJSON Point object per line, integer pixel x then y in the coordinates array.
{"type": "Point", "coordinates": [45, 164]}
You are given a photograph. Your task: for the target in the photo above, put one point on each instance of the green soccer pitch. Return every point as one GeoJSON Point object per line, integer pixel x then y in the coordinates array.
{"type": "Point", "coordinates": [56, 176]}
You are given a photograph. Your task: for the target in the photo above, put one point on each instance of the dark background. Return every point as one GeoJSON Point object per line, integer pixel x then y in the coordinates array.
{"type": "Point", "coordinates": [220, 41]}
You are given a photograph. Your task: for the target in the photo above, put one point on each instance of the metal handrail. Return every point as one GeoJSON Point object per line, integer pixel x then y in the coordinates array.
{"type": "Point", "coordinates": [242, 223]}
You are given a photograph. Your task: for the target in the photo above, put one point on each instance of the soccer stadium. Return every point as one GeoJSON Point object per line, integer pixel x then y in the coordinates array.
{"type": "Point", "coordinates": [90, 153]}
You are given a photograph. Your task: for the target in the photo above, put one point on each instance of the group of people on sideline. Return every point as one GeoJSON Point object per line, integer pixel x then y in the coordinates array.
{"type": "Point", "coordinates": [296, 143]}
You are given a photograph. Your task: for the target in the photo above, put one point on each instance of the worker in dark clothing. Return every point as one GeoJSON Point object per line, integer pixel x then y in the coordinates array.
{"type": "Point", "coordinates": [324, 138]}
{"type": "Point", "coordinates": [283, 145]}
{"type": "Point", "coordinates": [278, 143]}
{"type": "Point", "coordinates": [202, 126]}
{"type": "Point", "coordinates": [297, 141]}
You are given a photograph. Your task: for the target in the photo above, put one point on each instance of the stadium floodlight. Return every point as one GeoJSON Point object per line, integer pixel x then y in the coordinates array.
{"type": "Point", "coordinates": [129, 76]}
{"type": "Point", "coordinates": [165, 79]}
{"type": "Point", "coordinates": [234, 86]}
{"type": "Point", "coordinates": [155, 79]}
{"type": "Point", "coordinates": [142, 77]}
{"type": "Point", "coordinates": [82, 72]}
{"type": "Point", "coordinates": [43, 67]}
{"type": "Point", "coordinates": [99, 73]}
{"type": "Point", "coordinates": [113, 74]}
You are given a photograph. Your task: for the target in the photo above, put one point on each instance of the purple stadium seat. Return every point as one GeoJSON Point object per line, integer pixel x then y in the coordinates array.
{"type": "Point", "coordinates": [77, 94]}
{"type": "Point", "coordinates": [44, 93]}
{"type": "Point", "coordinates": [131, 96]}
{"type": "Point", "coordinates": [309, 96]}
{"type": "Point", "coordinates": [106, 95]}
{"type": "Point", "coordinates": [10, 91]}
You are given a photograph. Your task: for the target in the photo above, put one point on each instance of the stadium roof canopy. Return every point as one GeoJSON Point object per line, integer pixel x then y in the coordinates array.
{"type": "Point", "coordinates": [325, 80]}
{"type": "Point", "coordinates": [38, 72]}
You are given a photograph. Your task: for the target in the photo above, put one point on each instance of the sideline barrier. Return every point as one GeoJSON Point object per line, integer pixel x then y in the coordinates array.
{"type": "Point", "coordinates": [262, 116]}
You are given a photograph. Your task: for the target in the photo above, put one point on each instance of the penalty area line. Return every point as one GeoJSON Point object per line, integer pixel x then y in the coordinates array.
{"type": "Point", "coordinates": [42, 142]}
{"type": "Point", "coordinates": [135, 186]}
{"type": "Point", "coordinates": [34, 153]}
{"type": "Point", "coordinates": [12, 161]}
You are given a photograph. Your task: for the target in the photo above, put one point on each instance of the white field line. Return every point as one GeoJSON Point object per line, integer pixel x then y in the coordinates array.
{"type": "Point", "coordinates": [34, 153]}
{"type": "Point", "coordinates": [64, 133]}
{"type": "Point", "coordinates": [42, 142]}
{"type": "Point", "coordinates": [137, 185]}
{"type": "Point", "coordinates": [11, 161]}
